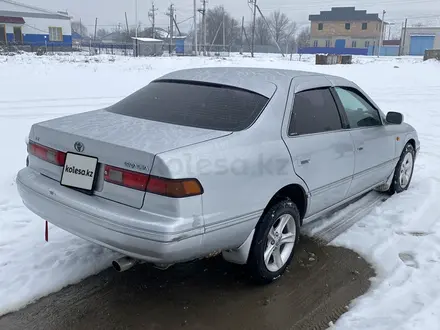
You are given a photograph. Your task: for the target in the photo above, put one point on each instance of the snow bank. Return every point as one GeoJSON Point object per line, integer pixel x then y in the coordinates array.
{"type": "Point", "coordinates": [401, 237]}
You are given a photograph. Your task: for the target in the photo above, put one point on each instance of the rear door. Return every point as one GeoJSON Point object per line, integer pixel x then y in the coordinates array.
{"type": "Point", "coordinates": [322, 151]}
{"type": "Point", "coordinates": [374, 144]}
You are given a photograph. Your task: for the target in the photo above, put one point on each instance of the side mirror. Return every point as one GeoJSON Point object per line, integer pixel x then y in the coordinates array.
{"type": "Point", "coordinates": [395, 118]}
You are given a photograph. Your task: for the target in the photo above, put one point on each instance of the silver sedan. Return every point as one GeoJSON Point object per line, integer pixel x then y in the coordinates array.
{"type": "Point", "coordinates": [215, 160]}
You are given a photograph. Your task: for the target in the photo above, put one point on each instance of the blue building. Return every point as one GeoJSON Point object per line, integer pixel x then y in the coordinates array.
{"type": "Point", "coordinates": [29, 25]}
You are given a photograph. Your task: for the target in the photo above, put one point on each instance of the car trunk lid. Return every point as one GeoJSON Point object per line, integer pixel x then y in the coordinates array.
{"type": "Point", "coordinates": [117, 140]}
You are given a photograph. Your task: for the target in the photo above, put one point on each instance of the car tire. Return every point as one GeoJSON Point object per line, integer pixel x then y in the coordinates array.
{"type": "Point", "coordinates": [404, 170]}
{"type": "Point", "coordinates": [276, 236]}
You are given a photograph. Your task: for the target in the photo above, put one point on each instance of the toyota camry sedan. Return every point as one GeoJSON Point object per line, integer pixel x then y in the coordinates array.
{"type": "Point", "coordinates": [209, 161]}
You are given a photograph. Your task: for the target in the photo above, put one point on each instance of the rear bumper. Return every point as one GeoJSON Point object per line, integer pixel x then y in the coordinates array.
{"type": "Point", "coordinates": [112, 225]}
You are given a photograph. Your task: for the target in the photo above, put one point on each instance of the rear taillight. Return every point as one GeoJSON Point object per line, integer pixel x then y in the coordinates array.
{"type": "Point", "coordinates": [125, 178]}
{"type": "Point", "coordinates": [47, 154]}
{"type": "Point", "coordinates": [167, 187]}
{"type": "Point", "coordinates": [174, 188]}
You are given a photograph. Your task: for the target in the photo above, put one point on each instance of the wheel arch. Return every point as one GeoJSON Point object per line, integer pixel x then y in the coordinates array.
{"type": "Point", "coordinates": [296, 193]}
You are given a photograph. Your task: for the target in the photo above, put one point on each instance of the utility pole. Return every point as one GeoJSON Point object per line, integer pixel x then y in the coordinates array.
{"type": "Point", "coordinates": [241, 36]}
{"type": "Point", "coordinates": [203, 12]}
{"type": "Point", "coordinates": [253, 26]}
{"type": "Point", "coordinates": [152, 16]}
{"type": "Point", "coordinates": [381, 33]}
{"type": "Point", "coordinates": [96, 26]}
{"type": "Point", "coordinates": [171, 14]}
{"type": "Point", "coordinates": [126, 23]}
{"type": "Point", "coordinates": [195, 29]}
{"type": "Point", "coordinates": [136, 19]}
{"type": "Point", "coordinates": [224, 32]}
{"type": "Point", "coordinates": [404, 37]}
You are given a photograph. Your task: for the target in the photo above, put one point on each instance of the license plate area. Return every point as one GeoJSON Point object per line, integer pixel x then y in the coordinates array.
{"type": "Point", "coordinates": [79, 172]}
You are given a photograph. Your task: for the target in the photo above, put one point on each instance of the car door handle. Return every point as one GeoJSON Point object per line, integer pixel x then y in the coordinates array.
{"type": "Point", "coordinates": [305, 161]}
{"type": "Point", "coordinates": [361, 148]}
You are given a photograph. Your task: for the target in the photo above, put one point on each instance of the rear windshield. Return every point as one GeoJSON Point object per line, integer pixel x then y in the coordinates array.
{"type": "Point", "coordinates": [192, 104]}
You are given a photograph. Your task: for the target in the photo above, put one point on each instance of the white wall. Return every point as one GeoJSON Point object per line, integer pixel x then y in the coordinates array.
{"type": "Point", "coordinates": [41, 25]}
{"type": "Point", "coordinates": [420, 31]}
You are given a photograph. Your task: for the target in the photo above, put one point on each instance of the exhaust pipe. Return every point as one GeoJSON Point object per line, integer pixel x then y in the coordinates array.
{"type": "Point", "coordinates": [123, 264]}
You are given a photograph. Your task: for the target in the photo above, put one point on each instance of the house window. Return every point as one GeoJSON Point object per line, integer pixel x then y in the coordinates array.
{"type": "Point", "coordinates": [55, 34]}
{"type": "Point", "coordinates": [347, 26]}
{"type": "Point", "coordinates": [367, 44]}
{"type": "Point", "coordinates": [353, 44]}
{"type": "Point", "coordinates": [315, 43]}
{"type": "Point", "coordinates": [327, 43]}
{"type": "Point", "coordinates": [364, 26]}
{"type": "Point", "coordinates": [320, 26]}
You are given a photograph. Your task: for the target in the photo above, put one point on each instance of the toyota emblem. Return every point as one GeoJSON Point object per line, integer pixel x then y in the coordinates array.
{"type": "Point", "coordinates": [79, 146]}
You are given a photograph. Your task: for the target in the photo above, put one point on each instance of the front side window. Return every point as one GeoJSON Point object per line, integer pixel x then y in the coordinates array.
{"type": "Point", "coordinates": [360, 112]}
{"type": "Point", "coordinates": [55, 34]}
{"type": "Point", "coordinates": [193, 104]}
{"type": "Point", "coordinates": [314, 111]}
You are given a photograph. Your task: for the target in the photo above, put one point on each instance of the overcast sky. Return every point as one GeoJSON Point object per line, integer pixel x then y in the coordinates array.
{"type": "Point", "coordinates": [111, 12]}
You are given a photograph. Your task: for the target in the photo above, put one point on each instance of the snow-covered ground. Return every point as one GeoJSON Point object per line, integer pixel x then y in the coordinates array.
{"type": "Point", "coordinates": [400, 237]}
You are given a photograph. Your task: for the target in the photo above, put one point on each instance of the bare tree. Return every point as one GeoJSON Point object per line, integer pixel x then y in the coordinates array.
{"type": "Point", "coordinates": [262, 33]}
{"type": "Point", "coordinates": [290, 38]}
{"type": "Point", "coordinates": [79, 28]}
{"type": "Point", "coordinates": [280, 24]}
{"type": "Point", "coordinates": [303, 39]}
{"type": "Point", "coordinates": [101, 33]}
{"type": "Point", "coordinates": [214, 29]}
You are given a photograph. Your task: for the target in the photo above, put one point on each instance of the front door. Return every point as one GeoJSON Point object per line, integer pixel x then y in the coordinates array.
{"type": "Point", "coordinates": [374, 145]}
{"type": "Point", "coordinates": [340, 43]}
{"type": "Point", "coordinates": [18, 36]}
{"type": "Point", "coordinates": [322, 152]}
{"type": "Point", "coordinates": [2, 34]}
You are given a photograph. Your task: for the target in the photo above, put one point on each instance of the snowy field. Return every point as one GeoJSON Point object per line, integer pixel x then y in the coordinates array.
{"type": "Point", "coordinates": [400, 237]}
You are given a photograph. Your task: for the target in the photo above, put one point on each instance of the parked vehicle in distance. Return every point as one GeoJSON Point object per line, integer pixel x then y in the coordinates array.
{"type": "Point", "coordinates": [210, 160]}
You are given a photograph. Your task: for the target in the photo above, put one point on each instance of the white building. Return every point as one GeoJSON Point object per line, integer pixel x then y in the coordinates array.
{"type": "Point", "coordinates": [24, 24]}
{"type": "Point", "coordinates": [418, 39]}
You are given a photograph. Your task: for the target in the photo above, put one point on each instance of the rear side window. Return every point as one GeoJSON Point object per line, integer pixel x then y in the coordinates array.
{"type": "Point", "coordinates": [314, 111]}
{"type": "Point", "coordinates": [208, 106]}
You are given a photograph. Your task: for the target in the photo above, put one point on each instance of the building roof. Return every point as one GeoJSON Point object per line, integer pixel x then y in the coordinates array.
{"type": "Point", "coordinates": [391, 42]}
{"type": "Point", "coordinates": [344, 14]}
{"type": "Point", "coordinates": [147, 39]}
{"type": "Point", "coordinates": [11, 20]}
{"type": "Point", "coordinates": [48, 13]}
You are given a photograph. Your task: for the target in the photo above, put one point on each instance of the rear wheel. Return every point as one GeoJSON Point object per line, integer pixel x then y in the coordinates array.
{"type": "Point", "coordinates": [404, 170]}
{"type": "Point", "coordinates": [274, 242]}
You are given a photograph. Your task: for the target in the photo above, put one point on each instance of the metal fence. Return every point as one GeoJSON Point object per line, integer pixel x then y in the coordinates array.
{"type": "Point", "coordinates": [12, 47]}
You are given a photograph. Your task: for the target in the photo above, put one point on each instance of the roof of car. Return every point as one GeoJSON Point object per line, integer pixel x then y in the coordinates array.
{"type": "Point", "coordinates": [260, 80]}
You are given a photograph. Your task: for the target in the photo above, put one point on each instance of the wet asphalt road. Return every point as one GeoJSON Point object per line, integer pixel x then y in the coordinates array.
{"type": "Point", "coordinates": [208, 294]}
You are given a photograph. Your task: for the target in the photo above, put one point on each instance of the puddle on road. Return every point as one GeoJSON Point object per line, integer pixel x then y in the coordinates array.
{"type": "Point", "coordinates": [207, 295]}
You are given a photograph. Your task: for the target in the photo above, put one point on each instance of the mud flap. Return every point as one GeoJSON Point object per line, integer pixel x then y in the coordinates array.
{"type": "Point", "coordinates": [239, 255]}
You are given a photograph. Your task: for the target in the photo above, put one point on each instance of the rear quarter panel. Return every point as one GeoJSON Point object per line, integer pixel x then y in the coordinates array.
{"type": "Point", "coordinates": [239, 173]}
